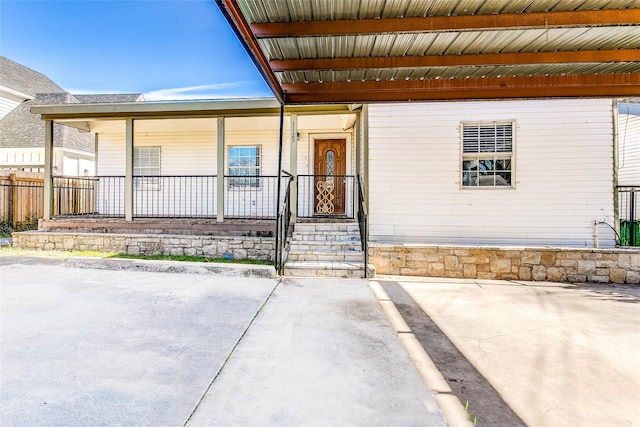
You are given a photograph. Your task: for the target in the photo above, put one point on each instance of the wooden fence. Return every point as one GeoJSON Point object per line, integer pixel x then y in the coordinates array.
{"type": "Point", "coordinates": [21, 201]}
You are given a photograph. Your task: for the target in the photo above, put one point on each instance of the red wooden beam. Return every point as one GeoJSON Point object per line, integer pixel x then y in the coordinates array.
{"type": "Point", "coordinates": [577, 18]}
{"type": "Point", "coordinates": [519, 58]}
{"type": "Point", "coordinates": [586, 85]}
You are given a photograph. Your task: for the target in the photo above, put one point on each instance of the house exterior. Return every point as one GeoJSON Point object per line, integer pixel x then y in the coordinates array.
{"type": "Point", "coordinates": [476, 142]}
{"type": "Point", "coordinates": [529, 177]}
{"type": "Point", "coordinates": [628, 128]}
{"type": "Point", "coordinates": [628, 170]}
{"type": "Point", "coordinates": [547, 167]}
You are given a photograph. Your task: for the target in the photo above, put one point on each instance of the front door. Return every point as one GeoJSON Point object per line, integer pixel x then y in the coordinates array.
{"type": "Point", "coordinates": [330, 168]}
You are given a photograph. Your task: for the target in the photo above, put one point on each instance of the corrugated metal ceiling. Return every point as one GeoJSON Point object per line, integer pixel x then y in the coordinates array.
{"type": "Point", "coordinates": [322, 10]}
{"type": "Point", "coordinates": [452, 43]}
{"type": "Point", "coordinates": [584, 32]}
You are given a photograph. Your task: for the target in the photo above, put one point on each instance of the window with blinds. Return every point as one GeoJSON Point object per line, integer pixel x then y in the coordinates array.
{"type": "Point", "coordinates": [487, 154]}
{"type": "Point", "coordinates": [146, 168]}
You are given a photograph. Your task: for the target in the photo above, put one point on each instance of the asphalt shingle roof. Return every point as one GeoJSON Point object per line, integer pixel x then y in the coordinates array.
{"type": "Point", "coordinates": [22, 129]}
{"type": "Point", "coordinates": [109, 98]}
{"type": "Point", "coordinates": [23, 79]}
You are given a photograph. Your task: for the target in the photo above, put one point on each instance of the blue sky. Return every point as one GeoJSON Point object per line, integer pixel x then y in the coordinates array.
{"type": "Point", "coordinates": [166, 49]}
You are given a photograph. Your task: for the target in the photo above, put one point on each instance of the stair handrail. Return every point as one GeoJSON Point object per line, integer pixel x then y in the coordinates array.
{"type": "Point", "coordinates": [363, 218]}
{"type": "Point", "coordinates": [283, 221]}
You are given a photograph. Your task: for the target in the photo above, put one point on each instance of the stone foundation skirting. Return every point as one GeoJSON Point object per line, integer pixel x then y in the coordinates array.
{"type": "Point", "coordinates": [551, 264]}
{"type": "Point", "coordinates": [262, 248]}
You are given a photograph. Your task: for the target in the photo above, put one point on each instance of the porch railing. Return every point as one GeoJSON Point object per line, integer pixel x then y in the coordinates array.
{"type": "Point", "coordinates": [250, 196]}
{"type": "Point", "coordinates": [332, 196]}
{"type": "Point", "coordinates": [629, 212]}
{"type": "Point", "coordinates": [363, 219]}
{"type": "Point", "coordinates": [185, 196]}
{"type": "Point", "coordinates": [283, 221]}
{"type": "Point", "coordinates": [88, 196]}
{"type": "Point", "coordinates": [20, 203]}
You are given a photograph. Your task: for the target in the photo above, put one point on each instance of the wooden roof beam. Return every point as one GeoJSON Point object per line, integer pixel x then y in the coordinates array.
{"type": "Point", "coordinates": [609, 85]}
{"type": "Point", "coordinates": [485, 59]}
{"type": "Point", "coordinates": [577, 18]}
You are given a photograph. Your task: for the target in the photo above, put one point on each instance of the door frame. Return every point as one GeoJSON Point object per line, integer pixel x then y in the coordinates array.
{"type": "Point", "coordinates": [348, 137]}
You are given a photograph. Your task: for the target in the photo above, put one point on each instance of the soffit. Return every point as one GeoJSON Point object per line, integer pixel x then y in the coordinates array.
{"type": "Point", "coordinates": [314, 51]}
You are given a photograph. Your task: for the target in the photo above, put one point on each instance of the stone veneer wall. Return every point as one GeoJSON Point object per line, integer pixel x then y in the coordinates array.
{"type": "Point", "coordinates": [551, 264]}
{"type": "Point", "coordinates": [262, 248]}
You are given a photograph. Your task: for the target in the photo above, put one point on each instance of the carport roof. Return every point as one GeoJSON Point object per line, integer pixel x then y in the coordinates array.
{"type": "Point", "coordinates": [324, 51]}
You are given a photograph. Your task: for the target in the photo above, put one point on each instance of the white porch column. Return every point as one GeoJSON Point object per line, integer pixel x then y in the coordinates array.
{"type": "Point", "coordinates": [48, 166]}
{"type": "Point", "coordinates": [128, 174]}
{"type": "Point", "coordinates": [220, 172]}
{"type": "Point", "coordinates": [293, 165]}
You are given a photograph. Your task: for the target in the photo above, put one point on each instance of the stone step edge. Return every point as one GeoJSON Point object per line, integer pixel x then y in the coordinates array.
{"type": "Point", "coordinates": [327, 265]}
{"type": "Point", "coordinates": [321, 258]}
{"type": "Point", "coordinates": [325, 252]}
{"type": "Point", "coordinates": [325, 242]}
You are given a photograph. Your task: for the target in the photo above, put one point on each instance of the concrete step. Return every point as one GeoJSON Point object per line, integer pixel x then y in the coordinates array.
{"type": "Point", "coordinates": [329, 227]}
{"type": "Point", "coordinates": [349, 256]}
{"type": "Point", "coordinates": [326, 245]}
{"type": "Point", "coordinates": [325, 235]}
{"type": "Point", "coordinates": [324, 269]}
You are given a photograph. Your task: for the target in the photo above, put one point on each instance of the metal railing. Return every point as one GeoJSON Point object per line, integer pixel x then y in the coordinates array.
{"type": "Point", "coordinates": [184, 196]}
{"type": "Point", "coordinates": [250, 197]}
{"type": "Point", "coordinates": [363, 218]}
{"type": "Point", "coordinates": [629, 212]}
{"type": "Point", "coordinates": [316, 199]}
{"type": "Point", "coordinates": [173, 196]}
{"type": "Point", "coordinates": [21, 203]}
{"type": "Point", "coordinates": [283, 221]}
{"type": "Point", "coordinates": [88, 196]}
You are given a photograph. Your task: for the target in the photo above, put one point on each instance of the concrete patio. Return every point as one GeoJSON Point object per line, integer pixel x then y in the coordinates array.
{"type": "Point", "coordinates": [97, 347]}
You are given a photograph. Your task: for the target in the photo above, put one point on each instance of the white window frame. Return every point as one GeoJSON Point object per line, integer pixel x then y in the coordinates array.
{"type": "Point", "coordinates": [483, 154]}
{"type": "Point", "coordinates": [147, 177]}
{"type": "Point", "coordinates": [243, 182]}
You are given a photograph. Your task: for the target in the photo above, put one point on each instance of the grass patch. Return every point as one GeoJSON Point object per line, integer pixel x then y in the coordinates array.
{"type": "Point", "coordinates": [10, 251]}
{"type": "Point", "coordinates": [191, 258]}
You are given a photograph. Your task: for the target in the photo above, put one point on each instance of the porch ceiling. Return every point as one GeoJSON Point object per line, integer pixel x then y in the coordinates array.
{"type": "Point", "coordinates": [402, 50]}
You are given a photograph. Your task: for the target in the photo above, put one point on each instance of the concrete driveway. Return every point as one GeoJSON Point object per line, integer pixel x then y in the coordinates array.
{"type": "Point", "coordinates": [83, 347]}
{"type": "Point", "coordinates": [534, 353]}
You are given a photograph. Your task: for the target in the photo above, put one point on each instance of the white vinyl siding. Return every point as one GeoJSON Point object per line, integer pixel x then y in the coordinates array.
{"type": "Point", "coordinates": [628, 149]}
{"type": "Point", "coordinates": [563, 158]}
{"type": "Point", "coordinates": [6, 105]}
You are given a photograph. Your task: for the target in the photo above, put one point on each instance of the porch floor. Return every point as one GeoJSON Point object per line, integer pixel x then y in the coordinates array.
{"type": "Point", "coordinates": [185, 226]}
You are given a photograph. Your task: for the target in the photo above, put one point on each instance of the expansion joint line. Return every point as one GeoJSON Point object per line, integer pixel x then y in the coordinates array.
{"type": "Point", "coordinates": [235, 346]}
